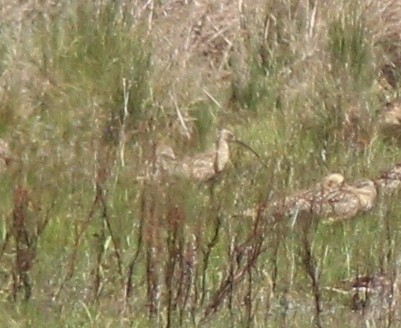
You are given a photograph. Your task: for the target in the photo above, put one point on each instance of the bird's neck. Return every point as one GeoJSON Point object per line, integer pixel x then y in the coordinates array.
{"type": "Point", "coordinates": [222, 155]}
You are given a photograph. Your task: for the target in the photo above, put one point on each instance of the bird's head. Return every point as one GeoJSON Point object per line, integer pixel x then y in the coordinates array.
{"type": "Point", "coordinates": [226, 135]}
{"type": "Point", "coordinates": [165, 152]}
{"type": "Point", "coordinates": [333, 180]}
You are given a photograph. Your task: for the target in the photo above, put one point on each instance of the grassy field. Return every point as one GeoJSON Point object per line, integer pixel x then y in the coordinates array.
{"type": "Point", "coordinates": [90, 88]}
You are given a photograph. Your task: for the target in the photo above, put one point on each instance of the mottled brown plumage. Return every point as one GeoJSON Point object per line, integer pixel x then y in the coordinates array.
{"type": "Point", "coordinates": [5, 154]}
{"type": "Point", "coordinates": [390, 121]}
{"type": "Point", "coordinates": [205, 166]}
{"type": "Point", "coordinates": [201, 167]}
{"type": "Point", "coordinates": [373, 290]}
{"type": "Point", "coordinates": [390, 180]}
{"type": "Point", "coordinates": [165, 158]}
{"type": "Point", "coordinates": [332, 199]}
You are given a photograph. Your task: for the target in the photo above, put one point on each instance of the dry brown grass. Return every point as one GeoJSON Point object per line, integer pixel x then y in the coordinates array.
{"type": "Point", "coordinates": [198, 59]}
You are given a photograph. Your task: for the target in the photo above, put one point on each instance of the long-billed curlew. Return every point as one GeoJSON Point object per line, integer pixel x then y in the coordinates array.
{"type": "Point", "coordinates": [350, 200]}
{"type": "Point", "coordinates": [165, 158]}
{"type": "Point", "coordinates": [390, 180]}
{"type": "Point", "coordinates": [201, 167]}
{"type": "Point", "coordinates": [5, 154]}
{"type": "Point", "coordinates": [374, 291]}
{"type": "Point", "coordinates": [390, 121]}
{"type": "Point", "coordinates": [332, 199]}
{"type": "Point", "coordinates": [307, 199]}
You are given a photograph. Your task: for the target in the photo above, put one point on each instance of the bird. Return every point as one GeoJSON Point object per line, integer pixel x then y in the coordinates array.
{"type": "Point", "coordinates": [201, 167]}
{"type": "Point", "coordinates": [389, 76]}
{"type": "Point", "coordinates": [390, 121]}
{"type": "Point", "coordinates": [205, 166]}
{"type": "Point", "coordinates": [350, 200]}
{"type": "Point", "coordinates": [5, 154]}
{"type": "Point", "coordinates": [306, 201]}
{"type": "Point", "coordinates": [165, 152]}
{"type": "Point", "coordinates": [368, 292]}
{"type": "Point", "coordinates": [303, 203]}
{"type": "Point", "coordinates": [372, 290]}
{"type": "Point", "coordinates": [366, 191]}
{"type": "Point", "coordinates": [331, 200]}
{"type": "Point", "coordinates": [164, 159]}
{"type": "Point", "coordinates": [390, 180]}
{"type": "Point", "coordinates": [333, 180]}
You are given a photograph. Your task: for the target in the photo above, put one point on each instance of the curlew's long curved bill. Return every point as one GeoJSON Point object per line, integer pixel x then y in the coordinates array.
{"type": "Point", "coordinates": [243, 144]}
